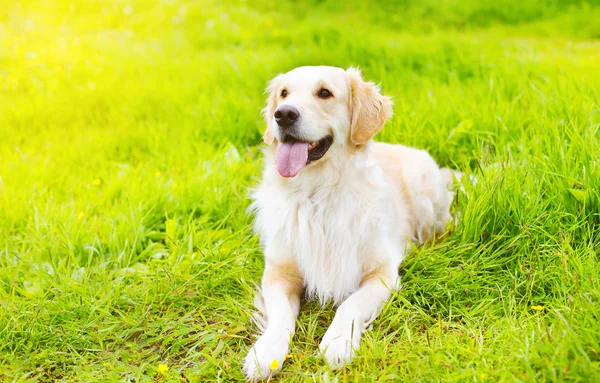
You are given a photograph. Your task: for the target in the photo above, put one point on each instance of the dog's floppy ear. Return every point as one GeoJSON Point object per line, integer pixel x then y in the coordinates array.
{"type": "Point", "coordinates": [369, 109]}
{"type": "Point", "coordinates": [269, 110]}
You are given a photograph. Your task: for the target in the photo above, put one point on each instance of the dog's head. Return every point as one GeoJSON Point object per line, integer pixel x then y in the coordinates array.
{"type": "Point", "coordinates": [313, 111]}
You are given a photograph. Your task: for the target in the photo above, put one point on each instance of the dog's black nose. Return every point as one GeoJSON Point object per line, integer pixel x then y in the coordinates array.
{"type": "Point", "coordinates": [286, 115]}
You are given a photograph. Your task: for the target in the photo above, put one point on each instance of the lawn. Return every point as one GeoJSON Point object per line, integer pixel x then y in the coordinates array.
{"type": "Point", "coordinates": [130, 134]}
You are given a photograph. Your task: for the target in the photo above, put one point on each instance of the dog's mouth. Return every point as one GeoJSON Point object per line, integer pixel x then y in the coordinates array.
{"type": "Point", "coordinates": [294, 154]}
{"type": "Point", "coordinates": [316, 150]}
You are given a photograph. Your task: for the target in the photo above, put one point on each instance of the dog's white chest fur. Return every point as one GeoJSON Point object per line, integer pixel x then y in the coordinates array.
{"type": "Point", "coordinates": [333, 227]}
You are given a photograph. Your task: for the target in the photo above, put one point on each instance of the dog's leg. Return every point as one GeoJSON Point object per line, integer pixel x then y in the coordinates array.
{"type": "Point", "coordinates": [281, 288]}
{"type": "Point", "coordinates": [356, 313]}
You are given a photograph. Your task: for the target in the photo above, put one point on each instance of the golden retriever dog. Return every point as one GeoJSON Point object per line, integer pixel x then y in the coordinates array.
{"type": "Point", "coordinates": [336, 212]}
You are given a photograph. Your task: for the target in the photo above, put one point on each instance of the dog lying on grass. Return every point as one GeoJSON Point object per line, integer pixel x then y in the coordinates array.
{"type": "Point", "coordinates": [335, 210]}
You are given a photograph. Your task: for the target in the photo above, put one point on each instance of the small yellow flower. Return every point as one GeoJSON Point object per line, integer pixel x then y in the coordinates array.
{"type": "Point", "coordinates": [162, 369]}
{"type": "Point", "coordinates": [537, 308]}
{"type": "Point", "coordinates": [288, 356]}
{"type": "Point", "coordinates": [158, 173]}
{"type": "Point", "coordinates": [80, 216]}
{"type": "Point", "coordinates": [274, 364]}
{"type": "Point", "coordinates": [96, 181]}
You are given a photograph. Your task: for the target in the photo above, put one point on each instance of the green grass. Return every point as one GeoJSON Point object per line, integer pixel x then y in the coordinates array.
{"type": "Point", "coordinates": [129, 135]}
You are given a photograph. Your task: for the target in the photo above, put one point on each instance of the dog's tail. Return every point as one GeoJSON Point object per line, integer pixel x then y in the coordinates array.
{"type": "Point", "coordinates": [450, 176]}
{"type": "Point", "coordinates": [451, 179]}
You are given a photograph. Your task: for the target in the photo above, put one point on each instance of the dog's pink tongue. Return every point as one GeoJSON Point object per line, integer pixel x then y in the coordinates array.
{"type": "Point", "coordinates": [291, 157]}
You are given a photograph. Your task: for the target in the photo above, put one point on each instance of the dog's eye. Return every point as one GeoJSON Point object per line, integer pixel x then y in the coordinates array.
{"type": "Point", "coordinates": [324, 93]}
{"type": "Point", "coordinates": [284, 93]}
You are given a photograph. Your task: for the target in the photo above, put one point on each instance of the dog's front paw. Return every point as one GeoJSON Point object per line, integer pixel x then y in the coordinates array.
{"type": "Point", "coordinates": [266, 357]}
{"type": "Point", "coordinates": [339, 343]}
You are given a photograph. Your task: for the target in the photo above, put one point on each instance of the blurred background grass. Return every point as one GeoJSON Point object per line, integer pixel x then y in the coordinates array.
{"type": "Point", "coordinates": [128, 139]}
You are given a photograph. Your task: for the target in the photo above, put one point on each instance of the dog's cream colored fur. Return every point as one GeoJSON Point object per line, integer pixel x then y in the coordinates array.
{"type": "Point", "coordinates": [341, 227]}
